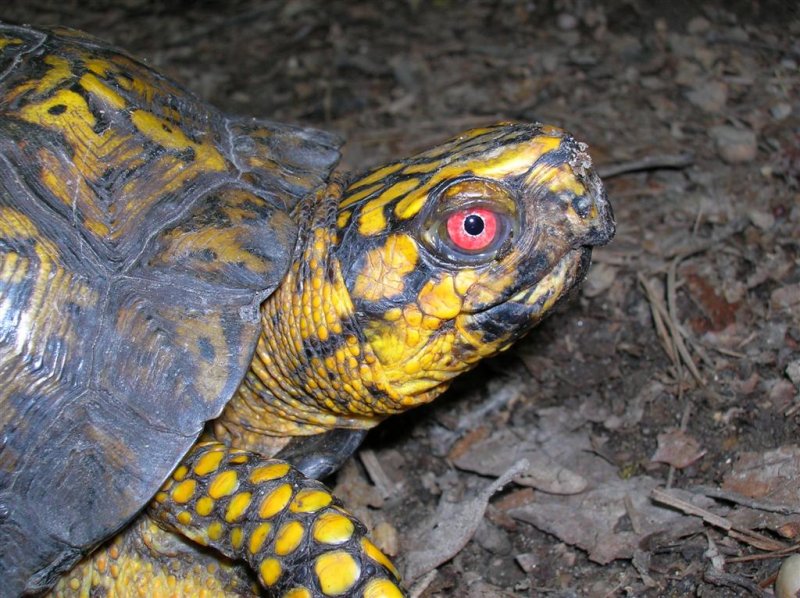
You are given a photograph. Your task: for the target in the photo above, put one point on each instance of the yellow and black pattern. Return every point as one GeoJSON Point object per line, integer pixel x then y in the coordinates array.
{"type": "Point", "coordinates": [143, 235]}
{"type": "Point", "coordinates": [377, 314]}
{"type": "Point", "coordinates": [135, 248]}
{"type": "Point", "coordinates": [293, 533]}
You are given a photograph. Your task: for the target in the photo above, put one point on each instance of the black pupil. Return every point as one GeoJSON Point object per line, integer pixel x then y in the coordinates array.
{"type": "Point", "coordinates": [473, 225]}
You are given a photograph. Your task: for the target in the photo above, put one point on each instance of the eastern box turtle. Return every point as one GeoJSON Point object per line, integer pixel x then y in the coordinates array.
{"type": "Point", "coordinates": [183, 291]}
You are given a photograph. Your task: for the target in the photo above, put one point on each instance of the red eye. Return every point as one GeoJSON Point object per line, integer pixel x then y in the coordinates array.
{"type": "Point", "coordinates": [472, 229]}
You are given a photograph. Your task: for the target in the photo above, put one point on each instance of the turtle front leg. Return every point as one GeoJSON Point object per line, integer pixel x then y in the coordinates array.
{"type": "Point", "coordinates": [290, 529]}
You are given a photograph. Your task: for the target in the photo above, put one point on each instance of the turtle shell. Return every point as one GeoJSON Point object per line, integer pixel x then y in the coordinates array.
{"type": "Point", "coordinates": [139, 231]}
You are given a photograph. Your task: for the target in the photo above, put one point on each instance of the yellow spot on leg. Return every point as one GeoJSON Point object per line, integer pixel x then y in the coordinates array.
{"type": "Point", "coordinates": [376, 555]}
{"type": "Point", "coordinates": [309, 500]}
{"type": "Point", "coordinates": [333, 528]}
{"type": "Point", "coordinates": [297, 593]}
{"type": "Point", "coordinates": [382, 588]}
{"type": "Point", "coordinates": [289, 538]}
{"type": "Point", "coordinates": [209, 462]}
{"type": "Point", "coordinates": [258, 536]}
{"type": "Point", "coordinates": [269, 472]}
{"type": "Point", "coordinates": [204, 506]}
{"type": "Point", "coordinates": [337, 572]}
{"type": "Point", "coordinates": [275, 501]}
{"type": "Point", "coordinates": [223, 484]}
{"type": "Point", "coordinates": [269, 571]}
{"type": "Point", "coordinates": [183, 492]}
{"type": "Point", "coordinates": [238, 506]}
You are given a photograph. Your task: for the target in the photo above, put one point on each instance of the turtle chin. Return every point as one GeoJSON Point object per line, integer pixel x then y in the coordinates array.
{"type": "Point", "coordinates": [494, 329]}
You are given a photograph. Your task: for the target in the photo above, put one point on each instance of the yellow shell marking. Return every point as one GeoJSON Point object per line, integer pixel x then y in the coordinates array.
{"type": "Point", "coordinates": [266, 473]}
{"type": "Point", "coordinates": [337, 572]}
{"type": "Point", "coordinates": [111, 98]}
{"type": "Point", "coordinates": [332, 528]}
{"type": "Point", "coordinates": [382, 588]}
{"type": "Point", "coordinates": [258, 537]}
{"type": "Point", "coordinates": [270, 571]}
{"type": "Point", "coordinates": [275, 501]}
{"type": "Point", "coordinates": [223, 484]}
{"type": "Point", "coordinates": [238, 506]}
{"type": "Point", "coordinates": [209, 462]}
{"type": "Point", "coordinates": [184, 491]}
{"type": "Point", "coordinates": [288, 538]}
{"type": "Point", "coordinates": [309, 500]}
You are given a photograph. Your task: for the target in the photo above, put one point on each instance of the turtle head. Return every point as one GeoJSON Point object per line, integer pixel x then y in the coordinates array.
{"type": "Point", "coordinates": [452, 255]}
{"type": "Point", "coordinates": [414, 272]}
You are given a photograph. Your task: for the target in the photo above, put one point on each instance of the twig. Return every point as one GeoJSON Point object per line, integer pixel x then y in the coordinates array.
{"type": "Point", "coordinates": [738, 499]}
{"type": "Point", "coordinates": [729, 580]}
{"type": "Point", "coordinates": [376, 473]}
{"type": "Point", "coordinates": [683, 160]}
{"type": "Point", "coordinates": [747, 536]}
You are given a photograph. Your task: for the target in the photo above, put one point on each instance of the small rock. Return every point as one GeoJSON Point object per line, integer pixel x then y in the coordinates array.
{"type": "Point", "coordinates": [780, 111]}
{"type": "Point", "coordinates": [763, 220]}
{"type": "Point", "coordinates": [710, 96]}
{"type": "Point", "coordinates": [734, 146]}
{"type": "Point", "coordinates": [566, 21]}
{"type": "Point", "coordinates": [698, 25]}
{"type": "Point", "coordinates": [787, 585]}
{"type": "Point", "coordinates": [793, 371]}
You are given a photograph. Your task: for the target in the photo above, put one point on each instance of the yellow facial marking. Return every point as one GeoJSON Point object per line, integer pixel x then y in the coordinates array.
{"type": "Point", "coordinates": [439, 299]}
{"type": "Point", "coordinates": [332, 528]}
{"type": "Point", "coordinates": [269, 571]}
{"type": "Point", "coordinates": [275, 501]}
{"type": "Point", "coordinates": [379, 174]}
{"type": "Point", "coordinates": [359, 195]}
{"type": "Point", "coordinates": [258, 537]}
{"type": "Point", "coordinates": [376, 555]}
{"type": "Point", "coordinates": [238, 506]}
{"type": "Point", "coordinates": [386, 267]}
{"type": "Point", "coordinates": [209, 462]}
{"type": "Point", "coordinates": [204, 506]}
{"type": "Point", "coordinates": [309, 500]}
{"type": "Point", "coordinates": [288, 538]}
{"type": "Point", "coordinates": [372, 220]}
{"type": "Point", "coordinates": [266, 473]}
{"type": "Point", "coordinates": [223, 484]}
{"type": "Point", "coordinates": [382, 588]}
{"type": "Point", "coordinates": [337, 572]}
{"type": "Point", "coordinates": [183, 492]}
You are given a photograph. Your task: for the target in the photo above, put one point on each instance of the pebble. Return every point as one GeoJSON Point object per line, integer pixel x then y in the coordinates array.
{"type": "Point", "coordinates": [787, 585]}
{"type": "Point", "coordinates": [734, 145]}
{"type": "Point", "coordinates": [793, 371]}
{"type": "Point", "coordinates": [780, 111]}
{"type": "Point", "coordinates": [566, 21]}
{"type": "Point", "coordinates": [710, 96]}
{"type": "Point", "coordinates": [698, 25]}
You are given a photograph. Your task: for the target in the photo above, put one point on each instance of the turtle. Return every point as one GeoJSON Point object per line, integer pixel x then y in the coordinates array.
{"type": "Point", "coordinates": [199, 317]}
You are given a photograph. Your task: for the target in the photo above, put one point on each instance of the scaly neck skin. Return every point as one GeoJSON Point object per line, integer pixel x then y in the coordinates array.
{"type": "Point", "coordinates": [313, 369]}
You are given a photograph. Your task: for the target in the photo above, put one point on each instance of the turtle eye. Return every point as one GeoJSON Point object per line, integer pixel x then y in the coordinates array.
{"type": "Point", "coordinates": [472, 229]}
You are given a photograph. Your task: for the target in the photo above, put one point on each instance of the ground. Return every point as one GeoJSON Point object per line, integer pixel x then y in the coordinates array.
{"type": "Point", "coordinates": [658, 411]}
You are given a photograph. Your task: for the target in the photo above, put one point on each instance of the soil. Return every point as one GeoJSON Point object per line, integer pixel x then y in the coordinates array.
{"type": "Point", "coordinates": [676, 369]}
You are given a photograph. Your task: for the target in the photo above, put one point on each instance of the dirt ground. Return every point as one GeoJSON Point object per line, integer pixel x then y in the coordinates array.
{"type": "Point", "coordinates": [658, 412]}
